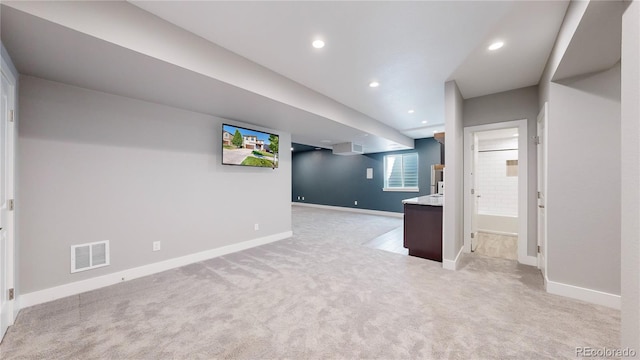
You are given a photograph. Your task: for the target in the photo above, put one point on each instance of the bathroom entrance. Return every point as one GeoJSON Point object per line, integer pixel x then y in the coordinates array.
{"type": "Point", "coordinates": [495, 188]}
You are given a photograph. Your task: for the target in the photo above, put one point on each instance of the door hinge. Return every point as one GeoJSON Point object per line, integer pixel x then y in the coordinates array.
{"type": "Point", "coordinates": [473, 147]}
{"type": "Point", "coordinates": [10, 204]}
{"type": "Point", "coordinates": [10, 115]}
{"type": "Point", "coordinates": [473, 191]}
{"type": "Point", "coordinates": [473, 235]}
{"type": "Point", "coordinates": [11, 294]}
{"type": "Point", "coordinates": [538, 249]}
{"type": "Point", "coordinates": [536, 140]}
{"type": "Point", "coordinates": [539, 195]}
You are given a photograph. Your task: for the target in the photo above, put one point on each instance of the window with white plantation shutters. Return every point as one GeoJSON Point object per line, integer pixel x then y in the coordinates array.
{"type": "Point", "coordinates": [401, 172]}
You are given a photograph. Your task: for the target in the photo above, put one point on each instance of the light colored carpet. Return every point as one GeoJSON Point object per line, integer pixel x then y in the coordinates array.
{"type": "Point", "coordinates": [318, 295]}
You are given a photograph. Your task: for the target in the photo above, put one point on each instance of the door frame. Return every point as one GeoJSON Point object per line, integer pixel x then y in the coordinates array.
{"type": "Point", "coordinates": [523, 183]}
{"type": "Point", "coordinates": [473, 183]}
{"type": "Point", "coordinates": [12, 307]}
{"type": "Point", "coordinates": [542, 151]}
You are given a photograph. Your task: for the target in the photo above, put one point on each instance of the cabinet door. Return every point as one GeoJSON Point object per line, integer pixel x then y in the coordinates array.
{"type": "Point", "coordinates": [423, 231]}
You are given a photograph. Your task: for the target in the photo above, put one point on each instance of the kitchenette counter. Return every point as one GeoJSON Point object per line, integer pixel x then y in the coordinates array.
{"type": "Point", "coordinates": [431, 200]}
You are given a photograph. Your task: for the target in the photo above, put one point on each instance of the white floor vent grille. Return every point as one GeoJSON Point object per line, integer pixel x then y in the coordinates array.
{"type": "Point", "coordinates": [89, 256]}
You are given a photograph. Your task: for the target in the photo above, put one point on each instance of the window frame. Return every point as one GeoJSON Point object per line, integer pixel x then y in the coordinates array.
{"type": "Point", "coordinates": [403, 188]}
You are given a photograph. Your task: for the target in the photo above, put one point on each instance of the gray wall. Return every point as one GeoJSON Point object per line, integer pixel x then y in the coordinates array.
{"type": "Point", "coordinates": [506, 106]}
{"type": "Point", "coordinates": [454, 173]}
{"type": "Point", "coordinates": [583, 193]}
{"type": "Point", "coordinates": [95, 166]}
{"type": "Point", "coordinates": [630, 148]}
{"type": "Point", "coordinates": [326, 179]}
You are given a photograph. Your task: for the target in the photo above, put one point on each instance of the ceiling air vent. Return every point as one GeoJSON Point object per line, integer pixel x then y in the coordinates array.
{"type": "Point", "coordinates": [89, 256]}
{"type": "Point", "coordinates": [348, 148]}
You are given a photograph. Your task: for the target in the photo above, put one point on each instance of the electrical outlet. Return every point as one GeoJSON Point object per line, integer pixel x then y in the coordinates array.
{"type": "Point", "coordinates": [303, 198]}
{"type": "Point", "coordinates": [298, 197]}
{"type": "Point", "coordinates": [256, 227]}
{"type": "Point", "coordinates": [355, 203]}
{"type": "Point", "coordinates": [156, 245]}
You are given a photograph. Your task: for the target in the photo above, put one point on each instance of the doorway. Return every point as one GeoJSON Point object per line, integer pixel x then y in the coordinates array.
{"type": "Point", "coordinates": [495, 183]}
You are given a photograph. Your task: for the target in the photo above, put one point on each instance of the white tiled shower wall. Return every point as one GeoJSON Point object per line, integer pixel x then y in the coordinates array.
{"type": "Point", "coordinates": [498, 192]}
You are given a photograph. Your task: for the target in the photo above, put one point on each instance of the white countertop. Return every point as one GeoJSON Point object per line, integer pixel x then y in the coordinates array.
{"type": "Point", "coordinates": [431, 200]}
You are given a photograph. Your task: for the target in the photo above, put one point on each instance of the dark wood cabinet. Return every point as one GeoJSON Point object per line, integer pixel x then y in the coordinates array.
{"type": "Point", "coordinates": [423, 231]}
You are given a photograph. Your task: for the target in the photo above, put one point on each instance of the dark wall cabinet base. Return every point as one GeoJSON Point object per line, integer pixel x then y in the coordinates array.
{"type": "Point", "coordinates": [423, 231]}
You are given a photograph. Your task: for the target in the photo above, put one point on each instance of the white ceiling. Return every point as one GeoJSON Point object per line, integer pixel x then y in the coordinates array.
{"type": "Point", "coordinates": [411, 48]}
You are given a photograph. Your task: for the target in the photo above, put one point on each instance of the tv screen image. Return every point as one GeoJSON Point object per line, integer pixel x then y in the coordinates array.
{"type": "Point", "coordinates": [247, 147]}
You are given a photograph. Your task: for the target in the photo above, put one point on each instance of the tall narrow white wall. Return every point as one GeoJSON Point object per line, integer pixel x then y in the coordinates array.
{"type": "Point", "coordinates": [454, 174]}
{"type": "Point", "coordinates": [583, 190]}
{"type": "Point", "coordinates": [95, 166]}
{"type": "Point", "coordinates": [630, 145]}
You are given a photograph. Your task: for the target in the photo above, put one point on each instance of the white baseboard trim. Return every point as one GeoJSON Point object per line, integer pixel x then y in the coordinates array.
{"type": "Point", "coordinates": [452, 264]}
{"type": "Point", "coordinates": [341, 208]}
{"type": "Point", "coordinates": [78, 287]}
{"type": "Point", "coordinates": [528, 260]}
{"type": "Point", "coordinates": [584, 294]}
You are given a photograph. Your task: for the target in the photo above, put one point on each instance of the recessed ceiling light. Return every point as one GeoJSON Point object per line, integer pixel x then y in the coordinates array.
{"type": "Point", "coordinates": [424, 121]}
{"type": "Point", "coordinates": [411, 111]}
{"type": "Point", "coordinates": [318, 44]}
{"type": "Point", "coordinates": [374, 84]}
{"type": "Point", "coordinates": [318, 148]}
{"type": "Point", "coordinates": [496, 45]}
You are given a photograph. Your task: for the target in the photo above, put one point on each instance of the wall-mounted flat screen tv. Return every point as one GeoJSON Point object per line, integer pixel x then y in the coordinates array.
{"type": "Point", "coordinates": [247, 147]}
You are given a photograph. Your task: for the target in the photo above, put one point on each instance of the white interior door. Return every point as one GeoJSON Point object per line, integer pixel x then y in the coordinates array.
{"type": "Point", "coordinates": [542, 187]}
{"type": "Point", "coordinates": [7, 96]}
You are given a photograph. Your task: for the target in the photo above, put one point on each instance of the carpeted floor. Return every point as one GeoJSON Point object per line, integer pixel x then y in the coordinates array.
{"type": "Point", "coordinates": [319, 294]}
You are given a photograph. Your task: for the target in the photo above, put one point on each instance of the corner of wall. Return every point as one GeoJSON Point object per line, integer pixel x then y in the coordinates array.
{"type": "Point", "coordinates": [453, 264]}
{"type": "Point", "coordinates": [7, 59]}
{"type": "Point", "coordinates": [574, 14]}
{"type": "Point", "coordinates": [453, 203]}
{"type": "Point", "coordinates": [630, 178]}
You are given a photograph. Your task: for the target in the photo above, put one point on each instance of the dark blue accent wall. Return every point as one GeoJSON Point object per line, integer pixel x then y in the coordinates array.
{"type": "Point", "coordinates": [326, 179]}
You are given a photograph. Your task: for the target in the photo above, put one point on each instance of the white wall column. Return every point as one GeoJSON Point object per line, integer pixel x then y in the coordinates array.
{"type": "Point", "coordinates": [630, 150]}
{"type": "Point", "coordinates": [453, 200]}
